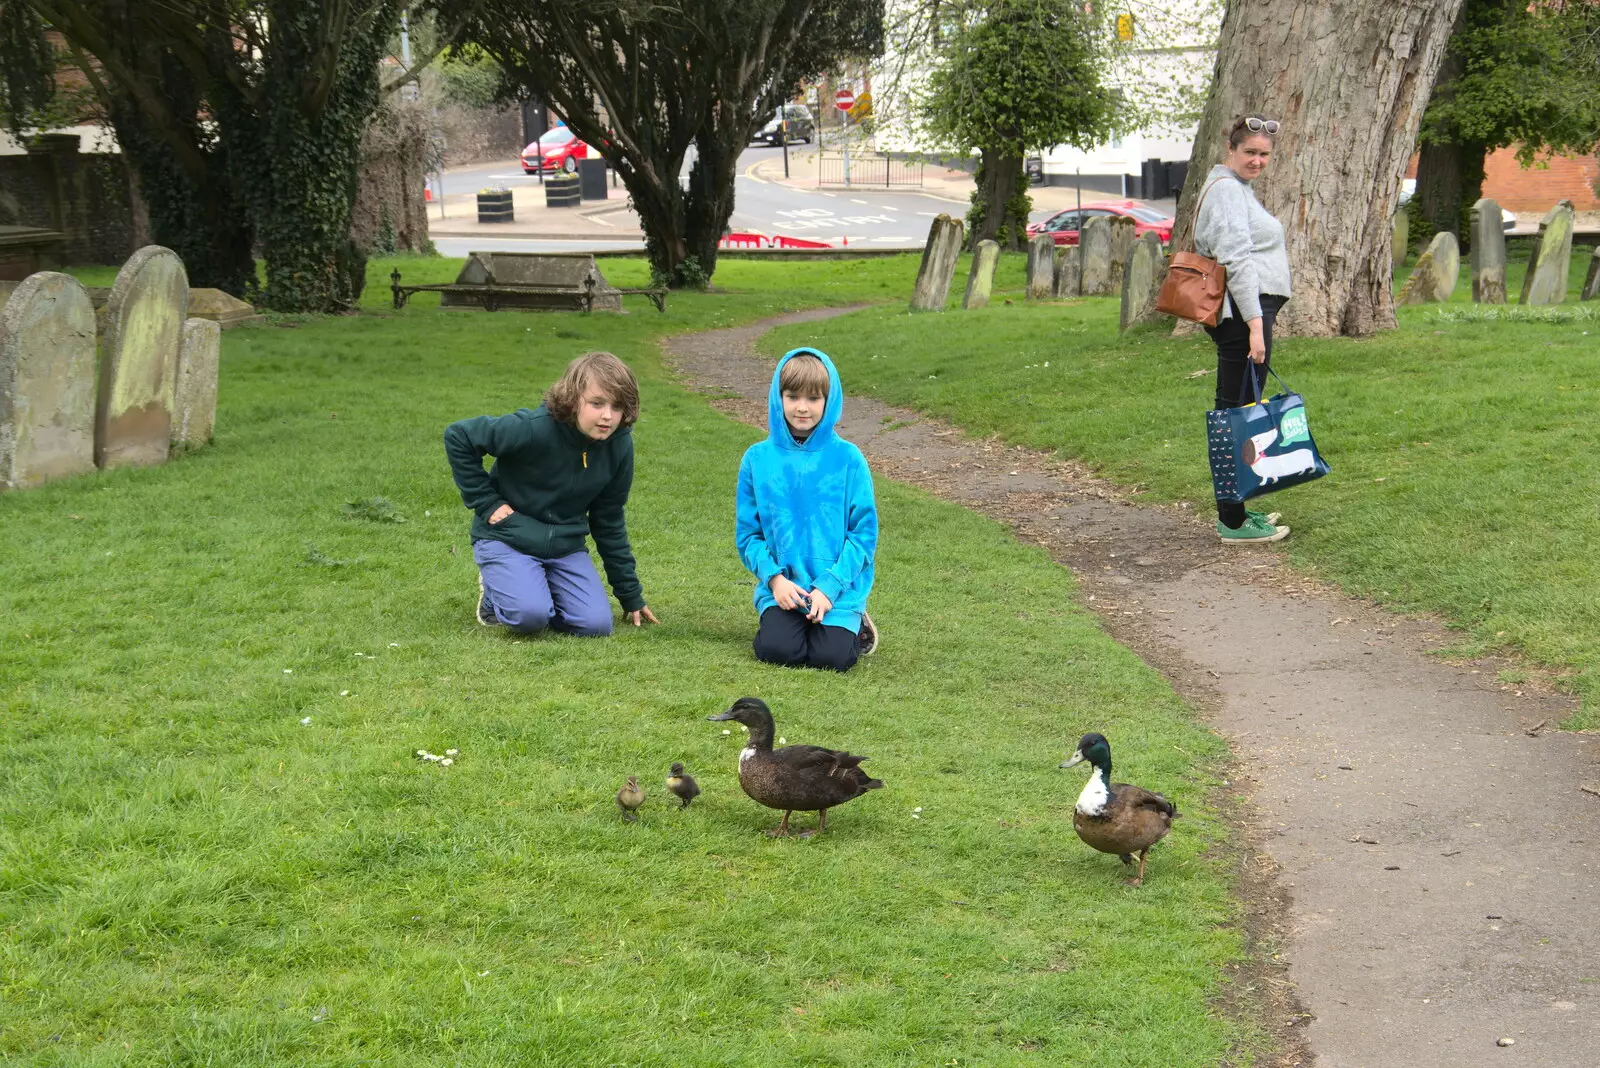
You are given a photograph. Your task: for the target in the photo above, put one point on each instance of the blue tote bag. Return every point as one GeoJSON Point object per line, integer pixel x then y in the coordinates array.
{"type": "Point", "coordinates": [1262, 447]}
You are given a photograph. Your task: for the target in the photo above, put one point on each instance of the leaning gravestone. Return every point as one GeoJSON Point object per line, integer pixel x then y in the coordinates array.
{"type": "Point", "coordinates": [1591, 282]}
{"type": "Point", "coordinates": [194, 397]}
{"type": "Point", "coordinates": [1147, 268]}
{"type": "Point", "coordinates": [46, 381]}
{"type": "Point", "coordinates": [1546, 280]}
{"type": "Point", "coordinates": [139, 360]}
{"type": "Point", "coordinates": [1488, 253]}
{"type": "Point", "coordinates": [939, 257]}
{"type": "Point", "coordinates": [980, 280]}
{"type": "Point", "coordinates": [1069, 271]}
{"type": "Point", "coordinates": [1123, 235]}
{"type": "Point", "coordinates": [1041, 267]}
{"type": "Point", "coordinates": [1401, 242]}
{"type": "Point", "coordinates": [1094, 240]}
{"type": "Point", "coordinates": [1434, 277]}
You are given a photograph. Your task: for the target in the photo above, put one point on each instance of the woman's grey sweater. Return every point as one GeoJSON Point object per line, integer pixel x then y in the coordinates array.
{"type": "Point", "coordinates": [1236, 231]}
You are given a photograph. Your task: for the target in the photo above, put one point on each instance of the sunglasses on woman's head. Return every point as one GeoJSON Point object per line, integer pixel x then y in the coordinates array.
{"type": "Point", "coordinates": [1267, 126]}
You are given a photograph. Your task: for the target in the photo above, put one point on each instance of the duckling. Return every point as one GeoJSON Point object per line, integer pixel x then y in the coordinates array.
{"type": "Point", "coordinates": [683, 786]}
{"type": "Point", "coordinates": [629, 798]}
{"type": "Point", "coordinates": [1115, 817]}
{"type": "Point", "coordinates": [796, 778]}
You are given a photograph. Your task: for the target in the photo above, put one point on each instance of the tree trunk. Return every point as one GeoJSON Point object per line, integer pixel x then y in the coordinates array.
{"type": "Point", "coordinates": [1449, 182]}
{"type": "Point", "coordinates": [710, 201]}
{"type": "Point", "coordinates": [1349, 81]}
{"type": "Point", "coordinates": [991, 217]}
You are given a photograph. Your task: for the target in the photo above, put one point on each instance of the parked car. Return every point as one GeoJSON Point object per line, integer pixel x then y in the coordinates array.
{"type": "Point", "coordinates": [558, 150]}
{"type": "Point", "coordinates": [802, 127]}
{"type": "Point", "coordinates": [1063, 226]}
{"type": "Point", "coordinates": [1408, 189]}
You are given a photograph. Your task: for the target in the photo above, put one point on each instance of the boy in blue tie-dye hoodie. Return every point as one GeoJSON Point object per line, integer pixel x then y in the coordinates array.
{"type": "Point", "coordinates": [807, 525]}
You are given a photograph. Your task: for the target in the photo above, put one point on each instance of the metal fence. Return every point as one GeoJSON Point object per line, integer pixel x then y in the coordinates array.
{"type": "Point", "coordinates": [868, 172]}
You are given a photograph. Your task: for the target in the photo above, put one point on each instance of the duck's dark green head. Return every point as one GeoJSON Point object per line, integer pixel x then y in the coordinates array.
{"type": "Point", "coordinates": [676, 770]}
{"type": "Point", "coordinates": [1095, 749]}
{"type": "Point", "coordinates": [750, 711]}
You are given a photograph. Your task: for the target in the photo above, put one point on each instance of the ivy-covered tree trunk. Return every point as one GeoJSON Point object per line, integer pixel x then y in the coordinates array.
{"type": "Point", "coordinates": [1349, 82]}
{"type": "Point", "coordinates": [1000, 201]}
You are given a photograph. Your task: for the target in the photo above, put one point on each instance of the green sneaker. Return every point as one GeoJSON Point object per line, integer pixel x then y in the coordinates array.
{"type": "Point", "coordinates": [1255, 529]}
{"type": "Point", "coordinates": [1269, 518]}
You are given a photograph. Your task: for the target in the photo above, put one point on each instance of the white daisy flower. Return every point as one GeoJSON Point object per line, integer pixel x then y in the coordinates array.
{"type": "Point", "coordinates": [422, 752]}
{"type": "Point", "coordinates": [783, 741]}
{"type": "Point", "coordinates": [727, 732]}
{"type": "Point", "coordinates": [306, 722]}
{"type": "Point", "coordinates": [447, 762]}
{"type": "Point", "coordinates": [344, 693]}
{"type": "Point", "coordinates": [917, 809]}
{"type": "Point", "coordinates": [288, 671]}
{"type": "Point", "coordinates": [394, 645]}
{"type": "Point", "coordinates": [450, 752]}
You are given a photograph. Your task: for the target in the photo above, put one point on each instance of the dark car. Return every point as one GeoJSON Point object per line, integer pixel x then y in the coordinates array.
{"type": "Point", "coordinates": [802, 127]}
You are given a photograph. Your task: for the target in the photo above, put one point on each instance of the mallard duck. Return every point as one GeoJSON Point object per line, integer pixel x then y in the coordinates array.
{"type": "Point", "coordinates": [796, 778]}
{"type": "Point", "coordinates": [1115, 817]}
{"type": "Point", "coordinates": [629, 798]}
{"type": "Point", "coordinates": [682, 785]}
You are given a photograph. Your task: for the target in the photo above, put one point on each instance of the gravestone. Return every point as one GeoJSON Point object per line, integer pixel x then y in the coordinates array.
{"type": "Point", "coordinates": [47, 393]}
{"type": "Point", "coordinates": [1591, 281]}
{"type": "Point", "coordinates": [1147, 268]}
{"type": "Point", "coordinates": [939, 257]}
{"type": "Point", "coordinates": [1402, 237]}
{"type": "Point", "coordinates": [1434, 277]}
{"type": "Point", "coordinates": [194, 397]}
{"type": "Point", "coordinates": [139, 359]}
{"type": "Point", "coordinates": [1488, 253]}
{"type": "Point", "coordinates": [980, 280]}
{"type": "Point", "coordinates": [1069, 271]}
{"type": "Point", "coordinates": [557, 283]}
{"type": "Point", "coordinates": [224, 309]}
{"type": "Point", "coordinates": [1546, 280]}
{"type": "Point", "coordinates": [1041, 267]}
{"type": "Point", "coordinates": [1123, 235]}
{"type": "Point", "coordinates": [1094, 242]}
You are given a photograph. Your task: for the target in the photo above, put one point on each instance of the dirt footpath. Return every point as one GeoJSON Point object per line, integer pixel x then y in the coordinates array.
{"type": "Point", "coordinates": [1419, 854]}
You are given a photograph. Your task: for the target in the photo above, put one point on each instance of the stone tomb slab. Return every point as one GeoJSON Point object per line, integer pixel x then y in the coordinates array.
{"type": "Point", "coordinates": [194, 398]}
{"type": "Point", "coordinates": [139, 359]}
{"type": "Point", "coordinates": [565, 278]}
{"type": "Point", "coordinates": [47, 394]}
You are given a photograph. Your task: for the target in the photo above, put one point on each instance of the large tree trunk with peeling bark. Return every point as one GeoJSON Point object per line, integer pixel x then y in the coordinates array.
{"type": "Point", "coordinates": [1349, 80]}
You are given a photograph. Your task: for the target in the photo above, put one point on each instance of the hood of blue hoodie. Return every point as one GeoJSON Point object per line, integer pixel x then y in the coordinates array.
{"type": "Point", "coordinates": [778, 426]}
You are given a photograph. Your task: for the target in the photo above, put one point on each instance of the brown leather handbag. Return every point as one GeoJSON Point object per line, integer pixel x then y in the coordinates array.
{"type": "Point", "coordinates": [1195, 284]}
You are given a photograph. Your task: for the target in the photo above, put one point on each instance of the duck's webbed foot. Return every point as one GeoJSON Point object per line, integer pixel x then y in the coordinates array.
{"type": "Point", "coordinates": [822, 825]}
{"type": "Point", "coordinates": [1138, 880]}
{"type": "Point", "coordinates": [782, 829]}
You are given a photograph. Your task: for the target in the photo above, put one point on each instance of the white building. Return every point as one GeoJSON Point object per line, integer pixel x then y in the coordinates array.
{"type": "Point", "coordinates": [1162, 55]}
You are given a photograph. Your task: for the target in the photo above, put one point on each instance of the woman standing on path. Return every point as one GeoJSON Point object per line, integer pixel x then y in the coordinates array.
{"type": "Point", "coordinates": [1233, 228]}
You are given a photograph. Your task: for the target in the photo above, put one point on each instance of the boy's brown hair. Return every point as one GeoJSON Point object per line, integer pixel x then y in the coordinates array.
{"type": "Point", "coordinates": [805, 375]}
{"type": "Point", "coordinates": [597, 370]}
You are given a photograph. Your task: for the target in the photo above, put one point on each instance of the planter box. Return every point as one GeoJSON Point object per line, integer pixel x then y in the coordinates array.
{"type": "Point", "coordinates": [563, 191]}
{"type": "Point", "coordinates": [494, 206]}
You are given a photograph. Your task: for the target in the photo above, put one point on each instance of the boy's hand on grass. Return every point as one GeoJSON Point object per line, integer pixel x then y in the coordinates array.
{"type": "Point", "coordinates": [787, 594]}
{"type": "Point", "coordinates": [819, 606]}
{"type": "Point", "coordinates": [500, 513]}
{"type": "Point", "coordinates": [642, 616]}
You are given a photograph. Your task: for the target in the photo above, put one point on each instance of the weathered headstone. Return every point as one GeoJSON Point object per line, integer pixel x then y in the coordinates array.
{"type": "Point", "coordinates": [1123, 235]}
{"type": "Point", "coordinates": [1434, 277]}
{"type": "Point", "coordinates": [1402, 238]}
{"type": "Point", "coordinates": [46, 381]}
{"type": "Point", "coordinates": [1546, 280]}
{"type": "Point", "coordinates": [1591, 281]}
{"type": "Point", "coordinates": [194, 397]}
{"type": "Point", "coordinates": [139, 359]}
{"type": "Point", "coordinates": [1069, 270]}
{"type": "Point", "coordinates": [1041, 267]}
{"type": "Point", "coordinates": [1147, 268]}
{"type": "Point", "coordinates": [226, 310]}
{"type": "Point", "coordinates": [1488, 253]}
{"type": "Point", "coordinates": [1094, 241]}
{"type": "Point", "coordinates": [980, 280]}
{"type": "Point", "coordinates": [939, 257]}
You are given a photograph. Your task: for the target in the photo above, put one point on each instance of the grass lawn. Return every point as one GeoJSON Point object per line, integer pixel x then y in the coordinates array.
{"type": "Point", "coordinates": [1463, 483]}
{"type": "Point", "coordinates": [217, 845]}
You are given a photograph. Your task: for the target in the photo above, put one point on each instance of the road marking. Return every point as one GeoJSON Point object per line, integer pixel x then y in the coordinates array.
{"type": "Point", "coordinates": [886, 240]}
{"type": "Point", "coordinates": [830, 194]}
{"type": "Point", "coordinates": [853, 200]}
{"type": "Point", "coordinates": [887, 207]}
{"type": "Point", "coordinates": [929, 214]}
{"type": "Point", "coordinates": [749, 172]}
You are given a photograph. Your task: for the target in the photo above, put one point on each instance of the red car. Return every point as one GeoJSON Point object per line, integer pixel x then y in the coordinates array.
{"type": "Point", "coordinates": [1063, 226]}
{"type": "Point", "coordinates": [558, 150]}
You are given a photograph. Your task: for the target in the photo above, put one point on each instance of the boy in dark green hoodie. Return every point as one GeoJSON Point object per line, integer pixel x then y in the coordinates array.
{"type": "Point", "coordinates": [562, 471]}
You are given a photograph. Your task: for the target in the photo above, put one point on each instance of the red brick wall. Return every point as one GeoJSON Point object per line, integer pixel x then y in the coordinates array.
{"type": "Point", "coordinates": [1537, 188]}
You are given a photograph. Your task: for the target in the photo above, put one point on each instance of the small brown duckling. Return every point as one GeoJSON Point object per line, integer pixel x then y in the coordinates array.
{"type": "Point", "coordinates": [629, 798]}
{"type": "Point", "coordinates": [682, 785]}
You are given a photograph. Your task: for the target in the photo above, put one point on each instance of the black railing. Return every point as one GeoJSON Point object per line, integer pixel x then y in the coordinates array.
{"type": "Point", "coordinates": [868, 172]}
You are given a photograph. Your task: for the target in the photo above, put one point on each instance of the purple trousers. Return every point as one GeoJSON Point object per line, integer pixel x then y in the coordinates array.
{"type": "Point", "coordinates": [529, 594]}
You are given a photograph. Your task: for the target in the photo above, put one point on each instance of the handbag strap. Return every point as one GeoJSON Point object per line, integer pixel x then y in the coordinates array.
{"type": "Point", "coordinates": [1203, 194]}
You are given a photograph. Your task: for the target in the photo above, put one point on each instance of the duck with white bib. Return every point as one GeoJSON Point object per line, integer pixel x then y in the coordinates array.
{"type": "Point", "coordinates": [1117, 818]}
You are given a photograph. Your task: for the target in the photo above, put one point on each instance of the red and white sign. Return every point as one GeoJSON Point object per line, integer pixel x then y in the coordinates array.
{"type": "Point", "coordinates": [844, 99]}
